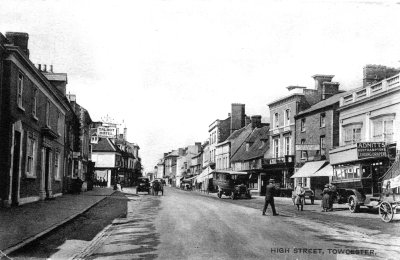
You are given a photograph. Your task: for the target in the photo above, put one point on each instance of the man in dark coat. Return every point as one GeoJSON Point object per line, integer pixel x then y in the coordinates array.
{"type": "Point", "coordinates": [269, 197]}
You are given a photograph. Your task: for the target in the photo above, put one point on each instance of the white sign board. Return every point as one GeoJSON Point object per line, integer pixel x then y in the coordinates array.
{"type": "Point", "coordinates": [106, 132]}
{"type": "Point", "coordinates": [307, 147]}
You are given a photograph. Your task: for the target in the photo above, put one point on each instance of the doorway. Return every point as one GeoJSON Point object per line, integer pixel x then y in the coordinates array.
{"type": "Point", "coordinates": [16, 168]}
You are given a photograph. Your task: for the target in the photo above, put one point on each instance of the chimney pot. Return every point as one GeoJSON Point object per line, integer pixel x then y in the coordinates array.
{"type": "Point", "coordinates": [45, 68]}
{"type": "Point", "coordinates": [40, 67]}
{"type": "Point", "coordinates": [51, 68]}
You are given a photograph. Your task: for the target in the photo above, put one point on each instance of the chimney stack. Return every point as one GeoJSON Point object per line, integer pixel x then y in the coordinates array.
{"type": "Point", "coordinates": [125, 133]}
{"type": "Point", "coordinates": [40, 67]}
{"type": "Point", "coordinates": [51, 68]}
{"type": "Point", "coordinates": [45, 68]}
{"type": "Point", "coordinates": [19, 39]}
{"type": "Point", "coordinates": [375, 73]}
{"type": "Point", "coordinates": [256, 121]}
{"type": "Point", "coordinates": [238, 117]}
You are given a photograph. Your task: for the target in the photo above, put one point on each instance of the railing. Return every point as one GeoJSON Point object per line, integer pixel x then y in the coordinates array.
{"type": "Point", "coordinates": [371, 90]}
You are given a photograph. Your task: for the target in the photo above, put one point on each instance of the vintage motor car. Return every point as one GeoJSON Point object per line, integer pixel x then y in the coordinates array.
{"type": "Point", "coordinates": [143, 185]}
{"type": "Point", "coordinates": [309, 194]}
{"type": "Point", "coordinates": [232, 184]}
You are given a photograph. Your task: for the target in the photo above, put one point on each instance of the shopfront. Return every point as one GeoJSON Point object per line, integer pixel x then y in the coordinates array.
{"type": "Point", "coordinates": [360, 166]}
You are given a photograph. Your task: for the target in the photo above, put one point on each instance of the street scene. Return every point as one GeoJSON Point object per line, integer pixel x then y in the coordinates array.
{"type": "Point", "coordinates": [199, 129]}
{"type": "Point", "coordinates": [172, 227]}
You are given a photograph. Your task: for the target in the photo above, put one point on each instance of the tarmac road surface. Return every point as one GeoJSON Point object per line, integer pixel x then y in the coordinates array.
{"type": "Point", "coordinates": [189, 225]}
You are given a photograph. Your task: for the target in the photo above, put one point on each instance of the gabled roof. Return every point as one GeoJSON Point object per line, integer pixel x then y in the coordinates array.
{"type": "Point", "coordinates": [258, 145]}
{"type": "Point", "coordinates": [105, 145]}
{"type": "Point", "coordinates": [242, 136]}
{"type": "Point", "coordinates": [324, 103]}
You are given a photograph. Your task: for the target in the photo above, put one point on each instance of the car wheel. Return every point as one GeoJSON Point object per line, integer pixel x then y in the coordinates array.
{"type": "Point", "coordinates": [353, 207]}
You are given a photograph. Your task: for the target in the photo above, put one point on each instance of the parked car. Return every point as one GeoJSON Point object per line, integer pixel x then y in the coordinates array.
{"type": "Point", "coordinates": [309, 194]}
{"type": "Point", "coordinates": [143, 185]}
{"type": "Point", "coordinates": [232, 184]}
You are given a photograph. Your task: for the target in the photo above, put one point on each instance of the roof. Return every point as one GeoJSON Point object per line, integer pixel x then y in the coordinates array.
{"type": "Point", "coordinates": [309, 169]}
{"type": "Point", "coordinates": [258, 145]}
{"type": "Point", "coordinates": [233, 136]}
{"type": "Point", "coordinates": [173, 153]}
{"type": "Point", "coordinates": [324, 103]}
{"type": "Point", "coordinates": [55, 76]}
{"type": "Point", "coordinates": [104, 145]}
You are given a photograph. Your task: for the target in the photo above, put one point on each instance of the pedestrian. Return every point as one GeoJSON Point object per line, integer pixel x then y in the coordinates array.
{"type": "Point", "coordinates": [300, 196]}
{"type": "Point", "coordinates": [332, 196]}
{"type": "Point", "coordinates": [270, 192]}
{"type": "Point", "coordinates": [326, 198]}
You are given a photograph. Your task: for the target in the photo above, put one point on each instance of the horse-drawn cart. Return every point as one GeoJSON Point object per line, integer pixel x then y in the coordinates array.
{"type": "Point", "coordinates": [390, 197]}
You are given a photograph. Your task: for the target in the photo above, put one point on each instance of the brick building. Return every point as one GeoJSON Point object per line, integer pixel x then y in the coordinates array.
{"type": "Point", "coordinates": [32, 127]}
{"type": "Point", "coordinates": [317, 131]}
{"type": "Point", "coordinates": [279, 161]}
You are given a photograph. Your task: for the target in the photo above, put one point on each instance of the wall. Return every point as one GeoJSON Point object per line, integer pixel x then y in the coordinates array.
{"type": "Point", "coordinates": [103, 159]}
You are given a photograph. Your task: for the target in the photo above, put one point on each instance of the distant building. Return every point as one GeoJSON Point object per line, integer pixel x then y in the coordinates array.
{"type": "Point", "coordinates": [184, 161]}
{"type": "Point", "coordinates": [170, 166]}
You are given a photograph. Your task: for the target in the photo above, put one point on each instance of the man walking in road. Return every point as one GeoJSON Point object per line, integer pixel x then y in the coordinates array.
{"type": "Point", "coordinates": [269, 197]}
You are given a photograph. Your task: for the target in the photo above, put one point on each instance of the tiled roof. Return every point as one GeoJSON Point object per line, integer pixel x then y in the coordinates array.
{"type": "Point", "coordinates": [237, 143]}
{"type": "Point", "coordinates": [257, 148]}
{"type": "Point", "coordinates": [324, 103]}
{"type": "Point", "coordinates": [173, 153]}
{"type": "Point", "coordinates": [104, 145]}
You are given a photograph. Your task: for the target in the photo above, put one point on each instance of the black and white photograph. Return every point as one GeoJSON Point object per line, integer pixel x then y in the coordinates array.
{"type": "Point", "coordinates": [199, 129]}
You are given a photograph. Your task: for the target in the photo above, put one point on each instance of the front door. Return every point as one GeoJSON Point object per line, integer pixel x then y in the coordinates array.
{"type": "Point", "coordinates": [16, 168]}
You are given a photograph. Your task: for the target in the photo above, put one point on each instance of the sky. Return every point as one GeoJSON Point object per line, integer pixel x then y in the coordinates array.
{"type": "Point", "coordinates": [166, 69]}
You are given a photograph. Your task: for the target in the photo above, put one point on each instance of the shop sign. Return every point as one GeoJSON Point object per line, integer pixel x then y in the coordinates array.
{"type": "Point", "coordinates": [307, 147]}
{"type": "Point", "coordinates": [106, 132]}
{"type": "Point", "coordinates": [371, 149]}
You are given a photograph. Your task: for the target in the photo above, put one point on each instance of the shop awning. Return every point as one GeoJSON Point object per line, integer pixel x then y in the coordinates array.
{"type": "Point", "coordinates": [327, 171]}
{"type": "Point", "coordinates": [308, 169]}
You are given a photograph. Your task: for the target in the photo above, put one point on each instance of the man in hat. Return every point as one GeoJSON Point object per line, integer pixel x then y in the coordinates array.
{"type": "Point", "coordinates": [270, 192]}
{"type": "Point", "coordinates": [300, 196]}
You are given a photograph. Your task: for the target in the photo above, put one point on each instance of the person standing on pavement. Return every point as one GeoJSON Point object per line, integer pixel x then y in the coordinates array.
{"type": "Point", "coordinates": [270, 192]}
{"type": "Point", "coordinates": [326, 198]}
{"type": "Point", "coordinates": [300, 196]}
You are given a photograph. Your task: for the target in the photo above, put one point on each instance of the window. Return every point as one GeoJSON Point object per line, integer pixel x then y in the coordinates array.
{"type": "Point", "coordinates": [322, 144]}
{"type": "Point", "coordinates": [31, 154]}
{"type": "Point", "coordinates": [20, 89]}
{"type": "Point", "coordinates": [287, 117]}
{"type": "Point", "coordinates": [57, 166]}
{"type": "Point", "coordinates": [59, 122]}
{"type": "Point", "coordinates": [303, 152]}
{"type": "Point", "coordinates": [287, 145]}
{"type": "Point", "coordinates": [34, 103]}
{"type": "Point", "coordinates": [303, 125]}
{"type": "Point", "coordinates": [322, 120]}
{"type": "Point", "coordinates": [48, 114]}
{"type": "Point", "coordinates": [383, 130]}
{"type": "Point", "coordinates": [276, 148]}
{"type": "Point", "coordinates": [276, 120]}
{"type": "Point", "coordinates": [352, 134]}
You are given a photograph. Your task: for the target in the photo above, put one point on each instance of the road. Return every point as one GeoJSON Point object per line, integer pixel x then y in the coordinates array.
{"type": "Point", "coordinates": [192, 225]}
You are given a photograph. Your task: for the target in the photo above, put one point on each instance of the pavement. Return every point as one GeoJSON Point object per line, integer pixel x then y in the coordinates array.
{"type": "Point", "coordinates": [23, 224]}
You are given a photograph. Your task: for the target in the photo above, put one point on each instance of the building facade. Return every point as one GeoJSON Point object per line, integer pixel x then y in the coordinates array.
{"type": "Point", "coordinates": [32, 127]}
{"type": "Point", "coordinates": [279, 161]}
{"type": "Point", "coordinates": [368, 134]}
